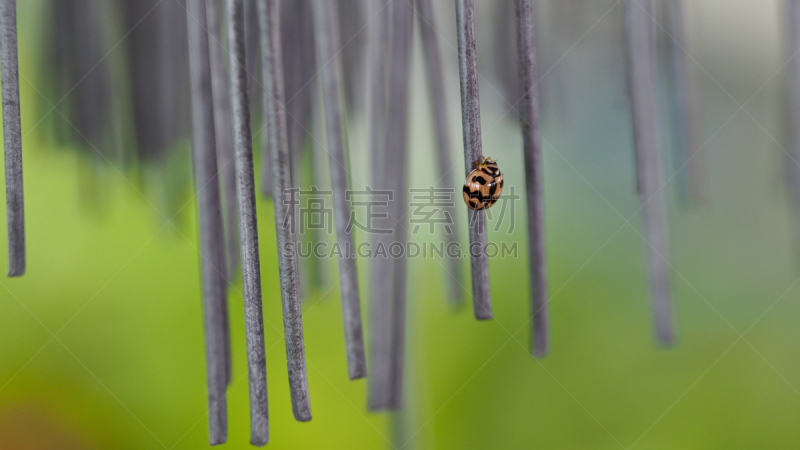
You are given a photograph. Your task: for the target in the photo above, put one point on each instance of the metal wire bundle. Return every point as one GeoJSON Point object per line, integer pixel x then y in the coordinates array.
{"type": "Point", "coordinates": [209, 69]}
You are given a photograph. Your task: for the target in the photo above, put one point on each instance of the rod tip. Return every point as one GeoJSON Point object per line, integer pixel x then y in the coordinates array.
{"type": "Point", "coordinates": [259, 441]}
{"type": "Point", "coordinates": [259, 431]}
{"type": "Point", "coordinates": [358, 373]}
{"type": "Point", "coordinates": [540, 353]}
{"type": "Point", "coordinates": [218, 440]}
{"type": "Point", "coordinates": [665, 338]}
{"type": "Point", "coordinates": [303, 415]}
{"type": "Point", "coordinates": [665, 342]}
{"type": "Point", "coordinates": [484, 315]}
{"type": "Point", "coordinates": [383, 406]}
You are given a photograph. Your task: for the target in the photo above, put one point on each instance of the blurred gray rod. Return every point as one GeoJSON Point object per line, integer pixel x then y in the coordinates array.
{"type": "Point", "coordinates": [793, 32]}
{"type": "Point", "coordinates": [640, 45]}
{"type": "Point", "coordinates": [223, 131]}
{"type": "Point", "coordinates": [12, 137]}
{"type": "Point", "coordinates": [387, 362]}
{"type": "Point", "coordinates": [211, 233]}
{"type": "Point", "coordinates": [325, 24]}
{"type": "Point", "coordinates": [278, 143]}
{"type": "Point", "coordinates": [529, 117]}
{"type": "Point", "coordinates": [223, 124]}
{"type": "Point", "coordinates": [381, 370]}
{"type": "Point", "coordinates": [438, 103]}
{"type": "Point", "coordinates": [471, 120]}
{"type": "Point", "coordinates": [248, 226]}
{"type": "Point", "coordinates": [687, 107]}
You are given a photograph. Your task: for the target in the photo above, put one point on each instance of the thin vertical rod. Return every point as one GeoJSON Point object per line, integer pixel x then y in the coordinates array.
{"type": "Point", "coordinates": [379, 31]}
{"type": "Point", "coordinates": [396, 172]}
{"type": "Point", "coordinates": [380, 362]}
{"type": "Point", "coordinates": [389, 309]}
{"type": "Point", "coordinates": [641, 87]}
{"type": "Point", "coordinates": [248, 226]}
{"type": "Point", "coordinates": [223, 131]}
{"type": "Point", "coordinates": [793, 31]}
{"type": "Point", "coordinates": [325, 26]}
{"type": "Point", "coordinates": [211, 233]}
{"type": "Point", "coordinates": [12, 137]}
{"type": "Point", "coordinates": [223, 125]}
{"type": "Point", "coordinates": [438, 102]}
{"type": "Point", "coordinates": [688, 115]}
{"type": "Point", "coordinates": [529, 116]}
{"type": "Point", "coordinates": [471, 120]}
{"type": "Point", "coordinates": [380, 369]}
{"type": "Point", "coordinates": [275, 117]}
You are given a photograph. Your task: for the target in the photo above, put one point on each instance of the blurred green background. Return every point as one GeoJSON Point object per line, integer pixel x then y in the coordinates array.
{"type": "Point", "coordinates": [101, 342]}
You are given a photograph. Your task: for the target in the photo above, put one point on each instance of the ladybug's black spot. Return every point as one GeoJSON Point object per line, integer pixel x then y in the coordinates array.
{"type": "Point", "coordinates": [492, 189]}
{"type": "Point", "coordinates": [473, 204]}
{"type": "Point", "coordinates": [501, 184]}
{"type": "Point", "coordinates": [486, 171]}
{"type": "Point", "coordinates": [466, 189]}
{"type": "Point", "coordinates": [479, 180]}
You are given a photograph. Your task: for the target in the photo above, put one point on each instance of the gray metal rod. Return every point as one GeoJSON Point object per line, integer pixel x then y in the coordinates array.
{"type": "Point", "coordinates": [438, 102]}
{"type": "Point", "coordinates": [380, 268]}
{"type": "Point", "coordinates": [275, 117]}
{"type": "Point", "coordinates": [12, 137]}
{"type": "Point", "coordinates": [248, 226]}
{"type": "Point", "coordinates": [226, 167]}
{"type": "Point", "coordinates": [529, 116]}
{"type": "Point", "coordinates": [389, 309]}
{"type": "Point", "coordinates": [689, 119]}
{"type": "Point", "coordinates": [379, 35]}
{"type": "Point", "coordinates": [325, 26]}
{"type": "Point", "coordinates": [380, 362]}
{"type": "Point", "coordinates": [211, 233]}
{"type": "Point", "coordinates": [397, 177]}
{"type": "Point", "coordinates": [793, 32]}
{"type": "Point", "coordinates": [223, 125]}
{"type": "Point", "coordinates": [471, 121]}
{"type": "Point", "coordinates": [641, 87]}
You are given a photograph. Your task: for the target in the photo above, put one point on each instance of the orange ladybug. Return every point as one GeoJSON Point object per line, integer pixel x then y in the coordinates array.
{"type": "Point", "coordinates": [483, 185]}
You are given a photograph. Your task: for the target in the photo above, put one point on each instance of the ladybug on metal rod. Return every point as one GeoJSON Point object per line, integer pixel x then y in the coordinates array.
{"type": "Point", "coordinates": [483, 185]}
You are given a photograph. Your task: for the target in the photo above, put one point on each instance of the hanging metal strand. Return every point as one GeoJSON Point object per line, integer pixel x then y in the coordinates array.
{"type": "Point", "coordinates": [379, 35]}
{"type": "Point", "coordinates": [324, 28]}
{"type": "Point", "coordinates": [641, 87]}
{"type": "Point", "coordinates": [389, 306]}
{"type": "Point", "coordinates": [297, 41]}
{"type": "Point", "coordinates": [248, 227]}
{"type": "Point", "coordinates": [211, 234]}
{"type": "Point", "coordinates": [223, 126]}
{"type": "Point", "coordinates": [397, 177]}
{"type": "Point", "coordinates": [529, 116]}
{"type": "Point", "coordinates": [377, 61]}
{"type": "Point", "coordinates": [471, 120]}
{"type": "Point", "coordinates": [687, 107]}
{"type": "Point", "coordinates": [223, 131]}
{"type": "Point", "coordinates": [275, 118]}
{"type": "Point", "coordinates": [438, 102]}
{"type": "Point", "coordinates": [12, 139]}
{"type": "Point", "coordinates": [793, 31]}
{"type": "Point", "coordinates": [380, 297]}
